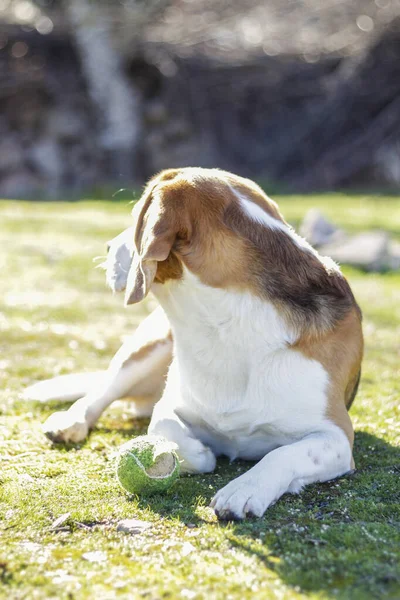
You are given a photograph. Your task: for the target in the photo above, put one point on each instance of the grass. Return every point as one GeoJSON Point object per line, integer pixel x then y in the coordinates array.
{"type": "Point", "coordinates": [335, 540]}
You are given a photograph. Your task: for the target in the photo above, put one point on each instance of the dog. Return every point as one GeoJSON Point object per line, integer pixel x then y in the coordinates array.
{"type": "Point", "coordinates": [259, 338]}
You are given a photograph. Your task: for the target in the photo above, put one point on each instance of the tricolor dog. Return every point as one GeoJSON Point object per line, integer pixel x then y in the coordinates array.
{"type": "Point", "coordinates": [254, 352]}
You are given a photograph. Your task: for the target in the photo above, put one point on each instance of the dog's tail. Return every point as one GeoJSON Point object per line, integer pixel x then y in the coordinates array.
{"type": "Point", "coordinates": [64, 388]}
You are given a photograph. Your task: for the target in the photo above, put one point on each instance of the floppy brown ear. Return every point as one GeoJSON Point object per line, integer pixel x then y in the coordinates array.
{"type": "Point", "coordinates": [155, 235]}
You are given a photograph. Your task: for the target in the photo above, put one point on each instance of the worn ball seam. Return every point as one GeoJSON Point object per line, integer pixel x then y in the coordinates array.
{"type": "Point", "coordinates": [142, 467]}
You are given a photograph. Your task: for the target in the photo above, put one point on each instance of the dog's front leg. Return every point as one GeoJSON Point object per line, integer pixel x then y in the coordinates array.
{"type": "Point", "coordinates": [194, 456]}
{"type": "Point", "coordinates": [317, 457]}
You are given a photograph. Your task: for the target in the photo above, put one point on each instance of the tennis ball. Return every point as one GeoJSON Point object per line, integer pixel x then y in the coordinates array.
{"type": "Point", "coordinates": [147, 465]}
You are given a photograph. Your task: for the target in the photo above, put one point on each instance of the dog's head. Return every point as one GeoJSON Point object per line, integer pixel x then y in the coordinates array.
{"type": "Point", "coordinates": [195, 219]}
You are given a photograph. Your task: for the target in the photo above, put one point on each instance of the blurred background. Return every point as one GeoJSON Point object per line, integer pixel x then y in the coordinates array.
{"type": "Point", "coordinates": [304, 94]}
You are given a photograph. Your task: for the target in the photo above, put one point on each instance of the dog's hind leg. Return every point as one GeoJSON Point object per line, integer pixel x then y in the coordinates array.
{"type": "Point", "coordinates": [64, 388]}
{"type": "Point", "coordinates": [137, 370]}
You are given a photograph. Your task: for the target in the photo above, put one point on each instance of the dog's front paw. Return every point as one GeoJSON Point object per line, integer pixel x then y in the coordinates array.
{"type": "Point", "coordinates": [243, 497]}
{"type": "Point", "coordinates": [65, 426]}
{"type": "Point", "coordinates": [195, 457]}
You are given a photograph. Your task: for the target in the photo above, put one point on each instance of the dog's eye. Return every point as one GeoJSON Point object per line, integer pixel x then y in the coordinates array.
{"type": "Point", "coordinates": [108, 247]}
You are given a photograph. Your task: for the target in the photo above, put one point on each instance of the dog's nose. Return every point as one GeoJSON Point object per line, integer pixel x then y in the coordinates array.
{"type": "Point", "coordinates": [108, 246]}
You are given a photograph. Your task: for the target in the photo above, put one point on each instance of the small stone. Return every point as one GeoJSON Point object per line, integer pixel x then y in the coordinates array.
{"type": "Point", "coordinates": [318, 230]}
{"type": "Point", "coordinates": [133, 526]}
{"type": "Point", "coordinates": [369, 251]}
{"type": "Point", "coordinates": [60, 521]}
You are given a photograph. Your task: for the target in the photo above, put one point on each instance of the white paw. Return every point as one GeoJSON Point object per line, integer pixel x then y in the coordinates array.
{"type": "Point", "coordinates": [242, 497]}
{"type": "Point", "coordinates": [195, 457]}
{"type": "Point", "coordinates": [65, 426]}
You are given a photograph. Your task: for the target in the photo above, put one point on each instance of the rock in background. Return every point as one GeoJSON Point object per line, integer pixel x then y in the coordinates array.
{"type": "Point", "coordinates": [370, 251]}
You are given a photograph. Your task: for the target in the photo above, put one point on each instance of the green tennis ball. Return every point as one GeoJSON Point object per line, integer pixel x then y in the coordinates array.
{"type": "Point", "coordinates": [147, 465]}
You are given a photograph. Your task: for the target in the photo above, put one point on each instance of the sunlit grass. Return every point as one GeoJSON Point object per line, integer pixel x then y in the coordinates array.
{"type": "Point", "coordinates": [336, 540]}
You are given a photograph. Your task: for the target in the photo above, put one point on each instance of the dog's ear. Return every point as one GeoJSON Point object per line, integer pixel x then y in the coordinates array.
{"type": "Point", "coordinates": [155, 233]}
{"type": "Point", "coordinates": [119, 258]}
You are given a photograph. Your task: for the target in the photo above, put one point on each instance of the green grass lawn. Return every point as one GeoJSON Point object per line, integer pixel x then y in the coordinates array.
{"type": "Point", "coordinates": [335, 540]}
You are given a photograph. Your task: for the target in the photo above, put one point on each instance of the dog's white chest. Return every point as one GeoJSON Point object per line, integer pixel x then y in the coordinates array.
{"type": "Point", "coordinates": [248, 413]}
{"type": "Point", "coordinates": [242, 388]}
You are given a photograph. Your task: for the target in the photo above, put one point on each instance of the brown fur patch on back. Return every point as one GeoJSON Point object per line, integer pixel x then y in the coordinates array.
{"type": "Point", "coordinates": [311, 292]}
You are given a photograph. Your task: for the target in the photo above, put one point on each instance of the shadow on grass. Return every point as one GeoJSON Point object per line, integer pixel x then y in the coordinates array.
{"type": "Point", "coordinates": [339, 538]}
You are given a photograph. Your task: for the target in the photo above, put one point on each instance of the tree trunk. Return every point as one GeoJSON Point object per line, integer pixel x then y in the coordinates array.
{"type": "Point", "coordinates": [117, 103]}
